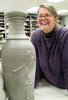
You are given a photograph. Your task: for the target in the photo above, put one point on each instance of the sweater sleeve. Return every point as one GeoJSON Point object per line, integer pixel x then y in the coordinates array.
{"type": "Point", "coordinates": [65, 61]}
{"type": "Point", "coordinates": [38, 73]}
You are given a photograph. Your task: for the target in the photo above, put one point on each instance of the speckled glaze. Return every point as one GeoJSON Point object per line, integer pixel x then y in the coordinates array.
{"type": "Point", "coordinates": [18, 59]}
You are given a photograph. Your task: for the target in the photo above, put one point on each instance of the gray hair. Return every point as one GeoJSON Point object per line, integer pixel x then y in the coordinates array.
{"type": "Point", "coordinates": [50, 8]}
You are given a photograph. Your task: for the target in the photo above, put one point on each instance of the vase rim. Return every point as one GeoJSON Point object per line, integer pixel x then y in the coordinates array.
{"type": "Point", "coordinates": [15, 14]}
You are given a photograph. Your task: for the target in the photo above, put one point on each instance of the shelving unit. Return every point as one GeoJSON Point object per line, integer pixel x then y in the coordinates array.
{"type": "Point", "coordinates": [61, 21]}
{"type": "Point", "coordinates": [30, 23]}
{"type": "Point", "coordinates": [2, 31]}
{"type": "Point", "coordinates": [2, 28]}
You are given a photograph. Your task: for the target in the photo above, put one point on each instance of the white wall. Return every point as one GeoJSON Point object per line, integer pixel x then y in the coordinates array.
{"type": "Point", "coordinates": [6, 5]}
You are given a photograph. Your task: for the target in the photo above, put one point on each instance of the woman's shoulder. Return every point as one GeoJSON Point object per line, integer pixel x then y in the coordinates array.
{"type": "Point", "coordinates": [63, 30]}
{"type": "Point", "coordinates": [63, 35]}
{"type": "Point", "coordinates": [36, 34]}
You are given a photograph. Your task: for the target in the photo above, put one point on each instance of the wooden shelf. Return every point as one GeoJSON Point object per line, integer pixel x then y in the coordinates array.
{"type": "Point", "coordinates": [2, 28]}
{"type": "Point", "coordinates": [30, 23]}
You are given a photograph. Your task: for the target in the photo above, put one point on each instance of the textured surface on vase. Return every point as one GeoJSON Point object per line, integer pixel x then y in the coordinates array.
{"type": "Point", "coordinates": [18, 59]}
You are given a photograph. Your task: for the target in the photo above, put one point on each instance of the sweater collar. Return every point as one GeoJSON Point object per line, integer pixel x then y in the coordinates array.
{"type": "Point", "coordinates": [50, 34]}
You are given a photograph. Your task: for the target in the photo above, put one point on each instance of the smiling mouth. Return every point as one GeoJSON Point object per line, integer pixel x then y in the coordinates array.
{"type": "Point", "coordinates": [44, 23]}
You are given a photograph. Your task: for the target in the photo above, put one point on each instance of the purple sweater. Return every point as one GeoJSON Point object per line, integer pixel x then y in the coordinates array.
{"type": "Point", "coordinates": [51, 57]}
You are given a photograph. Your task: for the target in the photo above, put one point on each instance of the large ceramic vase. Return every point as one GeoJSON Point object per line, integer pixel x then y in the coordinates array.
{"type": "Point", "coordinates": [18, 59]}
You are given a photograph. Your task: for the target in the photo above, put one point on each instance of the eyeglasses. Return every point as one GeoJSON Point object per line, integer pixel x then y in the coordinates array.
{"type": "Point", "coordinates": [46, 16]}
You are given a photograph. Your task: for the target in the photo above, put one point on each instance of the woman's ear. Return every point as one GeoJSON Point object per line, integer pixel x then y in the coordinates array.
{"type": "Point", "coordinates": [56, 19]}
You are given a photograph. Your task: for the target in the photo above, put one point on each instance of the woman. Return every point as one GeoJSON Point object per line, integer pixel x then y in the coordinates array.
{"type": "Point", "coordinates": [51, 46]}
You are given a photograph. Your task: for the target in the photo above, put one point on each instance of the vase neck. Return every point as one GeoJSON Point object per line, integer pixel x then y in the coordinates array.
{"type": "Point", "coordinates": [16, 24]}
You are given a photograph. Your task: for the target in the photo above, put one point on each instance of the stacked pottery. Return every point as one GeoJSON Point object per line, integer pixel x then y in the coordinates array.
{"type": "Point", "coordinates": [18, 59]}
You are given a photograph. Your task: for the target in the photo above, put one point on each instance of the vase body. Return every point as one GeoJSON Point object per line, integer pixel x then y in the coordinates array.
{"type": "Point", "coordinates": [18, 59]}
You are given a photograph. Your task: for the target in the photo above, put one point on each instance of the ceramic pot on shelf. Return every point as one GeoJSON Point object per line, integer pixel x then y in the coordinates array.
{"type": "Point", "coordinates": [18, 59]}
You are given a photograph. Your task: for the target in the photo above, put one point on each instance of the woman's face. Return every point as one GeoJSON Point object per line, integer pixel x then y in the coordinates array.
{"type": "Point", "coordinates": [46, 20]}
